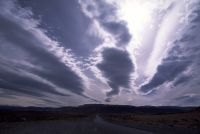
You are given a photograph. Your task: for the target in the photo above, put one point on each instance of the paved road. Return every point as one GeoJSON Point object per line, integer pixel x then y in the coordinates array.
{"type": "Point", "coordinates": [97, 126]}
{"type": "Point", "coordinates": [117, 129]}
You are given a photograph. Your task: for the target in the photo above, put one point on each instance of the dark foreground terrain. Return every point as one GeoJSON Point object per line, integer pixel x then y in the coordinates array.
{"type": "Point", "coordinates": [100, 119]}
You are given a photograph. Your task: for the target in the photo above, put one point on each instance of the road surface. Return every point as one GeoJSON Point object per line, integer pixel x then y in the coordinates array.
{"type": "Point", "coordinates": [96, 126]}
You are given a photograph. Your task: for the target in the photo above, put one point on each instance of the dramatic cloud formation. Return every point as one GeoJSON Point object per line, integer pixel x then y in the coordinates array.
{"type": "Point", "coordinates": [117, 67]}
{"type": "Point", "coordinates": [31, 62]}
{"type": "Point", "coordinates": [104, 14]}
{"type": "Point", "coordinates": [137, 52]}
{"type": "Point", "coordinates": [166, 72]}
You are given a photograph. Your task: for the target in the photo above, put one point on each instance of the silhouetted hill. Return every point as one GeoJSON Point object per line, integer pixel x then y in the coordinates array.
{"type": "Point", "coordinates": [132, 109]}
{"type": "Point", "coordinates": [101, 108]}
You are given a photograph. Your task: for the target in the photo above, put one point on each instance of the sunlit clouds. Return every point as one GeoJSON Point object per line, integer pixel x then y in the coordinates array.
{"type": "Point", "coordinates": [135, 52]}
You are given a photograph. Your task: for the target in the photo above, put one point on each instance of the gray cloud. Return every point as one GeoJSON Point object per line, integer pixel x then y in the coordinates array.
{"type": "Point", "coordinates": [119, 30]}
{"type": "Point", "coordinates": [49, 54]}
{"type": "Point", "coordinates": [116, 67]}
{"type": "Point", "coordinates": [25, 85]}
{"type": "Point", "coordinates": [114, 26]}
{"type": "Point", "coordinates": [18, 44]}
{"type": "Point", "coordinates": [64, 23]}
{"type": "Point", "coordinates": [166, 72]}
{"type": "Point", "coordinates": [188, 99]}
{"type": "Point", "coordinates": [181, 56]}
{"type": "Point", "coordinates": [107, 18]}
{"type": "Point", "coordinates": [183, 79]}
{"type": "Point", "coordinates": [116, 70]}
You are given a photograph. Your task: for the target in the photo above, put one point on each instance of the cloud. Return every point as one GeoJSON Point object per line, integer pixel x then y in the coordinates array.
{"type": "Point", "coordinates": [188, 99]}
{"type": "Point", "coordinates": [49, 68]}
{"type": "Point", "coordinates": [176, 66]}
{"type": "Point", "coordinates": [26, 84]}
{"type": "Point", "coordinates": [180, 57]}
{"type": "Point", "coordinates": [183, 79]}
{"type": "Point", "coordinates": [173, 66]}
{"type": "Point", "coordinates": [113, 31]}
{"type": "Point", "coordinates": [109, 20]}
{"type": "Point", "coordinates": [105, 14]}
{"type": "Point", "coordinates": [55, 53]}
{"type": "Point", "coordinates": [116, 67]}
{"type": "Point", "coordinates": [69, 24]}
{"type": "Point", "coordinates": [166, 72]}
{"type": "Point", "coordinates": [119, 30]}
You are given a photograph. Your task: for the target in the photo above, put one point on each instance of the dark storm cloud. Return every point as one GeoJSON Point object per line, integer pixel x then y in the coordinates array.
{"type": "Point", "coordinates": [25, 85]}
{"type": "Point", "coordinates": [119, 30]}
{"type": "Point", "coordinates": [182, 79]}
{"type": "Point", "coordinates": [197, 13]}
{"type": "Point", "coordinates": [65, 22]}
{"type": "Point", "coordinates": [166, 72]}
{"type": "Point", "coordinates": [34, 52]}
{"type": "Point", "coordinates": [187, 38]}
{"type": "Point", "coordinates": [116, 67]}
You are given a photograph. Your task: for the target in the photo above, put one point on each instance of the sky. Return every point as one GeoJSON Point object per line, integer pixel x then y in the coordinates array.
{"type": "Point", "coordinates": [57, 53]}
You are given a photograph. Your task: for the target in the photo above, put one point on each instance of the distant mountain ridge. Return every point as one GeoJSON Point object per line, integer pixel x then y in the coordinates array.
{"type": "Point", "coordinates": [101, 108]}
